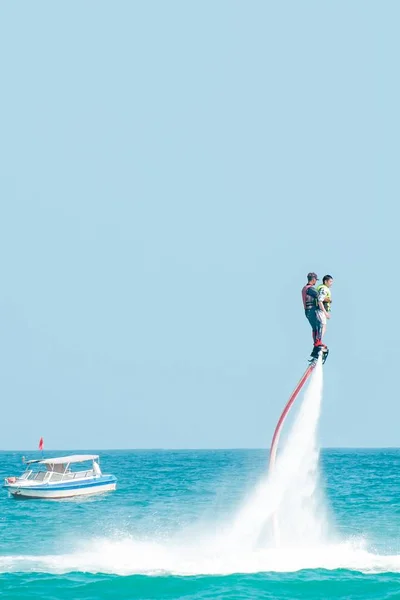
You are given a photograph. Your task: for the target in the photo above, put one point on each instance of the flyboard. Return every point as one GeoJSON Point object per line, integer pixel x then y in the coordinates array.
{"type": "Point", "coordinates": [315, 354]}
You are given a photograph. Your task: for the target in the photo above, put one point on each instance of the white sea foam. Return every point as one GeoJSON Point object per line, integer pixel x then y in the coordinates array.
{"type": "Point", "coordinates": [203, 557]}
{"type": "Point", "coordinates": [290, 497]}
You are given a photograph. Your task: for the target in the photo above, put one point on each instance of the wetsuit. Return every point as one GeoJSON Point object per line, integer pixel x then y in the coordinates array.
{"type": "Point", "coordinates": [310, 302]}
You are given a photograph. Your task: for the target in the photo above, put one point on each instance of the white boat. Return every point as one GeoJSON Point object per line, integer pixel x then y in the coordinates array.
{"type": "Point", "coordinates": [53, 478]}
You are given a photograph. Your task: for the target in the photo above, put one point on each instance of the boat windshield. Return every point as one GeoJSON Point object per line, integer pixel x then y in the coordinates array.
{"type": "Point", "coordinates": [59, 472]}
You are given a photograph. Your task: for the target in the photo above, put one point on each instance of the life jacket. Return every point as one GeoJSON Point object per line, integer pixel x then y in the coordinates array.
{"type": "Point", "coordinates": [326, 295]}
{"type": "Point", "coordinates": [309, 302]}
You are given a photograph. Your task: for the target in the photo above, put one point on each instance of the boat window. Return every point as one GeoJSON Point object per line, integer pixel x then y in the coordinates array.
{"type": "Point", "coordinates": [56, 468]}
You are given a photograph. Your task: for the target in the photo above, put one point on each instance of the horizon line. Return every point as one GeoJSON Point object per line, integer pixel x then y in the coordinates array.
{"type": "Point", "coordinates": [163, 449]}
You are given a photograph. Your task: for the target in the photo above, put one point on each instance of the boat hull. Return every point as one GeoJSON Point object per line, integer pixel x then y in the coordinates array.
{"type": "Point", "coordinates": [66, 490]}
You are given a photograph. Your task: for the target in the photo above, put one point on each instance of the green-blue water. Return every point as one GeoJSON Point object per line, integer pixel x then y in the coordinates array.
{"type": "Point", "coordinates": [167, 532]}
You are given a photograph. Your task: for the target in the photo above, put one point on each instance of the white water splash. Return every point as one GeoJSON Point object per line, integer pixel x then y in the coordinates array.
{"type": "Point", "coordinates": [206, 556]}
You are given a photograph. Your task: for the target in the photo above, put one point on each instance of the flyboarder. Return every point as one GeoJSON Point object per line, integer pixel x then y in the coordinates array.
{"type": "Point", "coordinates": [310, 302]}
{"type": "Point", "coordinates": [317, 306]}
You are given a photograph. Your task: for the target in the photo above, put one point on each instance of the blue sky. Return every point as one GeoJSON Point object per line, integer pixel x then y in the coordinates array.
{"type": "Point", "coordinates": [169, 173]}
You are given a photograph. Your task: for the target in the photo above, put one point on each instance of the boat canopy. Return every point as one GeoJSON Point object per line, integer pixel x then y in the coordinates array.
{"type": "Point", "coordinates": [62, 460]}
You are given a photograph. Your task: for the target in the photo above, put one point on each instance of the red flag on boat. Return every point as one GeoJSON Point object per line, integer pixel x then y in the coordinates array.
{"type": "Point", "coordinates": [41, 444]}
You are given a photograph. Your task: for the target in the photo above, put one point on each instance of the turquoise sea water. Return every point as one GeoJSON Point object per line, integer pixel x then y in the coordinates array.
{"type": "Point", "coordinates": [171, 531]}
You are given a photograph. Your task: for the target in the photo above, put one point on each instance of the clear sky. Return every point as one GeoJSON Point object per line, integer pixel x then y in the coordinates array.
{"type": "Point", "coordinates": [169, 173]}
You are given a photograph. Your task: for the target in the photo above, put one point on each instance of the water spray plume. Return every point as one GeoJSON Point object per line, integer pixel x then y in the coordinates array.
{"type": "Point", "coordinates": [287, 507]}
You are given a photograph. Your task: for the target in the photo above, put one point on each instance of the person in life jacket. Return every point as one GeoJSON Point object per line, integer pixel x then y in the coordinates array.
{"type": "Point", "coordinates": [324, 302]}
{"type": "Point", "coordinates": [310, 302]}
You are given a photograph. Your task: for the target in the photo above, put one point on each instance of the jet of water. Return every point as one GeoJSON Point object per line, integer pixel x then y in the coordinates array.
{"type": "Point", "coordinates": [288, 506]}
